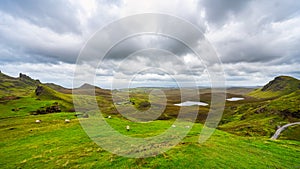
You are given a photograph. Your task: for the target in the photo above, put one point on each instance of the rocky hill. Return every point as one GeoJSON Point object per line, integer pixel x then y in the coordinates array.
{"type": "Point", "coordinates": [19, 86]}
{"type": "Point", "coordinates": [279, 86]}
{"type": "Point", "coordinates": [278, 104]}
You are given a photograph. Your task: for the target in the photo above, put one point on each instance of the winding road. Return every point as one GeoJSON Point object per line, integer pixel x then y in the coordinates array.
{"type": "Point", "coordinates": [278, 131]}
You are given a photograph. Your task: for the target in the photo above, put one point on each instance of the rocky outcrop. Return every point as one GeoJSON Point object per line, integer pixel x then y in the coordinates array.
{"type": "Point", "coordinates": [54, 108]}
{"type": "Point", "coordinates": [28, 80]}
{"type": "Point", "coordinates": [38, 91]}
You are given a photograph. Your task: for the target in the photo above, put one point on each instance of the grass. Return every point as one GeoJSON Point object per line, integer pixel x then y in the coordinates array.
{"type": "Point", "coordinates": [261, 118]}
{"type": "Point", "coordinates": [56, 144]}
{"type": "Point", "coordinates": [16, 86]}
{"type": "Point", "coordinates": [264, 94]}
{"type": "Point", "coordinates": [288, 102]}
{"type": "Point", "coordinates": [291, 133]}
{"type": "Point", "coordinates": [281, 85]}
{"type": "Point", "coordinates": [22, 106]}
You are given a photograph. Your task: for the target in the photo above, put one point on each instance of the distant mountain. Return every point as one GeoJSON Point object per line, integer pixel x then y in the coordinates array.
{"type": "Point", "coordinates": [88, 89]}
{"type": "Point", "coordinates": [88, 86]}
{"type": "Point", "coordinates": [279, 86]}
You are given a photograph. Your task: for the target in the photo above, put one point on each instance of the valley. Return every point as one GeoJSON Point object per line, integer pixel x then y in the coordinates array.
{"type": "Point", "coordinates": [242, 138]}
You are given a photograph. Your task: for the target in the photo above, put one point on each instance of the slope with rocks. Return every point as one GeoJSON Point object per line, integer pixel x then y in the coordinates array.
{"type": "Point", "coordinates": [279, 106]}
{"type": "Point", "coordinates": [280, 86]}
{"type": "Point", "coordinates": [11, 87]}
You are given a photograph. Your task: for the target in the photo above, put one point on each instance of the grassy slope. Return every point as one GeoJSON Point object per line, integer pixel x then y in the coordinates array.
{"type": "Point", "coordinates": [48, 94]}
{"type": "Point", "coordinates": [275, 104]}
{"type": "Point", "coordinates": [59, 88]}
{"type": "Point", "coordinates": [21, 107]}
{"type": "Point", "coordinates": [24, 105]}
{"type": "Point", "coordinates": [264, 94]}
{"type": "Point", "coordinates": [55, 144]}
{"type": "Point", "coordinates": [263, 117]}
{"type": "Point", "coordinates": [280, 86]}
{"type": "Point", "coordinates": [10, 86]}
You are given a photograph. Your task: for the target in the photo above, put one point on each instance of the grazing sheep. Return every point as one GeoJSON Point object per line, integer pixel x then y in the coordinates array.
{"type": "Point", "coordinates": [109, 117]}
{"type": "Point", "coordinates": [127, 128]}
{"type": "Point", "coordinates": [174, 125]}
{"type": "Point", "coordinates": [187, 127]}
{"type": "Point", "coordinates": [67, 120]}
{"type": "Point", "coordinates": [38, 121]}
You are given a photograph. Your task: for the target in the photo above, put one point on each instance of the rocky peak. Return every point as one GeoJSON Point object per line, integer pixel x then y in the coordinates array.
{"type": "Point", "coordinates": [28, 79]}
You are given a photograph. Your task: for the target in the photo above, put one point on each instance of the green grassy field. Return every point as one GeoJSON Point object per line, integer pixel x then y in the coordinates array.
{"type": "Point", "coordinates": [56, 144]}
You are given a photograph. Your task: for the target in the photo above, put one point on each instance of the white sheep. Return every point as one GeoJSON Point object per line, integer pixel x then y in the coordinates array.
{"type": "Point", "coordinates": [38, 121]}
{"type": "Point", "coordinates": [67, 120]}
{"type": "Point", "coordinates": [127, 127]}
{"type": "Point", "coordinates": [173, 125]}
{"type": "Point", "coordinates": [109, 117]}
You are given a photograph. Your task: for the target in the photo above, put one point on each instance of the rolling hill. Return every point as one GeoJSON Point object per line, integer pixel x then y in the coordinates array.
{"type": "Point", "coordinates": [241, 141]}
{"type": "Point", "coordinates": [280, 86]}
{"type": "Point", "coordinates": [24, 87]}
{"type": "Point", "coordinates": [20, 86]}
{"type": "Point", "coordinates": [263, 109]}
{"type": "Point", "coordinates": [278, 104]}
{"type": "Point", "coordinates": [23, 96]}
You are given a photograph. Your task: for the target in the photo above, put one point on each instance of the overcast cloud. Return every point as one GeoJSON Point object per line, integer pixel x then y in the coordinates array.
{"type": "Point", "coordinates": [256, 40]}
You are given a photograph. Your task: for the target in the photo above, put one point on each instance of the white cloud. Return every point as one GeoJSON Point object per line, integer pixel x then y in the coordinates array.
{"type": "Point", "coordinates": [256, 40]}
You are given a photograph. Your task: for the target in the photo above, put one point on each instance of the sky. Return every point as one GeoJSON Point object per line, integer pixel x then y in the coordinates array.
{"type": "Point", "coordinates": [255, 40]}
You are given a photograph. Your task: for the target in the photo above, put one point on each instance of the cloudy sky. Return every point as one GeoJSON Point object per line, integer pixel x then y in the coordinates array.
{"type": "Point", "coordinates": [255, 40]}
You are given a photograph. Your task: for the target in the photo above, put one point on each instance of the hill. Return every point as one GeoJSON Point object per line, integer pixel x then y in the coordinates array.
{"type": "Point", "coordinates": [59, 88]}
{"type": "Point", "coordinates": [43, 92]}
{"type": "Point", "coordinates": [53, 142]}
{"type": "Point", "coordinates": [20, 86]}
{"type": "Point", "coordinates": [23, 95]}
{"type": "Point", "coordinates": [88, 89]}
{"type": "Point", "coordinates": [278, 105]}
{"type": "Point", "coordinates": [279, 86]}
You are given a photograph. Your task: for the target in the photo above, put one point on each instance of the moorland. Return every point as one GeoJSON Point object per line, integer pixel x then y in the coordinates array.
{"type": "Point", "coordinates": [241, 140]}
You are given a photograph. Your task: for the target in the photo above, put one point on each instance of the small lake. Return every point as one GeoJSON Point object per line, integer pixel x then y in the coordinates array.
{"type": "Point", "coordinates": [235, 99]}
{"type": "Point", "coordinates": [191, 103]}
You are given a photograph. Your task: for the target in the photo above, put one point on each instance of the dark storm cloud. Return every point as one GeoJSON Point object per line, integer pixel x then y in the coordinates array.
{"type": "Point", "coordinates": [141, 42]}
{"type": "Point", "coordinates": [255, 31]}
{"type": "Point", "coordinates": [108, 39]}
{"type": "Point", "coordinates": [247, 52]}
{"type": "Point", "coordinates": [38, 32]}
{"type": "Point", "coordinates": [49, 31]}
{"type": "Point", "coordinates": [56, 15]}
{"type": "Point", "coordinates": [254, 39]}
{"type": "Point", "coordinates": [28, 44]}
{"type": "Point", "coordinates": [218, 11]}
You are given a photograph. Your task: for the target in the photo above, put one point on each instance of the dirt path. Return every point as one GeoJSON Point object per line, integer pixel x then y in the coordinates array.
{"type": "Point", "coordinates": [278, 131]}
